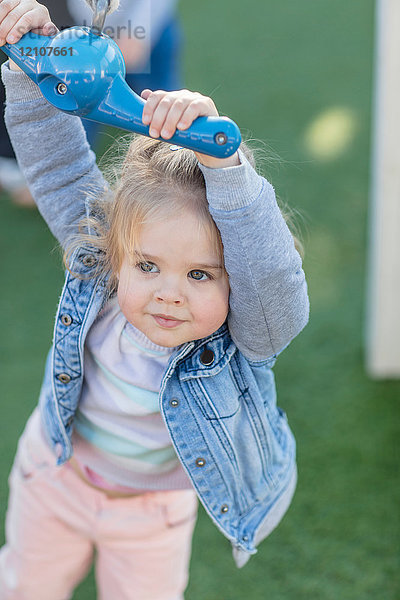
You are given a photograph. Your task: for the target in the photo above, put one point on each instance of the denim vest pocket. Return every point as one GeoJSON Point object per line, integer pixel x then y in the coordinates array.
{"type": "Point", "coordinates": [217, 397]}
{"type": "Point", "coordinates": [240, 405]}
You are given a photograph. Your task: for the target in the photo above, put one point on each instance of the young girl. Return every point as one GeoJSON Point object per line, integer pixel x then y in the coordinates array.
{"type": "Point", "coordinates": [180, 292]}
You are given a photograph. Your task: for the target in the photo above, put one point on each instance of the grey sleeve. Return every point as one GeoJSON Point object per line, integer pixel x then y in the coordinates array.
{"type": "Point", "coordinates": [268, 292]}
{"type": "Point", "coordinates": [52, 151]}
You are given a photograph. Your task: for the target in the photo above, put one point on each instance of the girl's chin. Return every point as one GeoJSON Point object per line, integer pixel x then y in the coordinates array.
{"type": "Point", "coordinates": [168, 338]}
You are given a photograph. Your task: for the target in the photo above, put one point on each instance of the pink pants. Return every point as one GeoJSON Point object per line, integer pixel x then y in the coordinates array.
{"type": "Point", "coordinates": [55, 522]}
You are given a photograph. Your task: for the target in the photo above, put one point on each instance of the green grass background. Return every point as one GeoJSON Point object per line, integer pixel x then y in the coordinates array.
{"type": "Point", "coordinates": [273, 66]}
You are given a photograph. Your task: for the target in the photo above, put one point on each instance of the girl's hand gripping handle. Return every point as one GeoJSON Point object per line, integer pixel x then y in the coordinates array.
{"type": "Point", "coordinates": [83, 73]}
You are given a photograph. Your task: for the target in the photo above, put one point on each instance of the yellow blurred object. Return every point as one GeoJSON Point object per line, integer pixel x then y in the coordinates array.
{"type": "Point", "coordinates": [330, 133]}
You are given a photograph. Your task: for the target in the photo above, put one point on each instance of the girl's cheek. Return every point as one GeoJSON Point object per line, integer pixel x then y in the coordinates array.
{"type": "Point", "coordinates": [215, 310]}
{"type": "Point", "coordinates": [124, 292]}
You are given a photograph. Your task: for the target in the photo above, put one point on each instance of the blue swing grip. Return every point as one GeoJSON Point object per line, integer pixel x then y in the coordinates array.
{"type": "Point", "coordinates": [82, 73]}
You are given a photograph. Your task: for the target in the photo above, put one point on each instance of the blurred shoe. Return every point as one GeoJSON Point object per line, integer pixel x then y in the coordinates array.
{"type": "Point", "coordinates": [13, 182]}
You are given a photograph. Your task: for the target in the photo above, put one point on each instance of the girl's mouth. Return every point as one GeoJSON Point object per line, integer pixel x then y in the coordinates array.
{"type": "Point", "coordinates": [167, 321]}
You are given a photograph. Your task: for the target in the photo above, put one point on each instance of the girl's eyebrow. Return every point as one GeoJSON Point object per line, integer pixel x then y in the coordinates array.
{"type": "Point", "coordinates": [202, 266]}
{"type": "Point", "coordinates": [197, 265]}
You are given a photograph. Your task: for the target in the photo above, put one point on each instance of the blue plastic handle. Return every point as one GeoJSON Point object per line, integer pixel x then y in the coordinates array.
{"type": "Point", "coordinates": [82, 73]}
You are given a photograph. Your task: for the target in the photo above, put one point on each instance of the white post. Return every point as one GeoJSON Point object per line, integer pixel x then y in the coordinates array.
{"type": "Point", "coordinates": [383, 326]}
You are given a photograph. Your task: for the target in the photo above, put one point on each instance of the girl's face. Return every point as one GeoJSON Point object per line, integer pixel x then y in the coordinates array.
{"type": "Point", "coordinates": [177, 290]}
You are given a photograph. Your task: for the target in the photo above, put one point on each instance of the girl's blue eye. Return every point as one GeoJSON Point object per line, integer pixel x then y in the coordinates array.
{"type": "Point", "coordinates": [199, 275]}
{"type": "Point", "coordinates": [147, 267]}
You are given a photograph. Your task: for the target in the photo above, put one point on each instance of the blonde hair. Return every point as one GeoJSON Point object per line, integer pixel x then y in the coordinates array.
{"type": "Point", "coordinates": [155, 180]}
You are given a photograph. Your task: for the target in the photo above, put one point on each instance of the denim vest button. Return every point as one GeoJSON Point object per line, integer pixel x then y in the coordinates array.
{"type": "Point", "coordinates": [89, 260]}
{"type": "Point", "coordinates": [64, 378]}
{"type": "Point", "coordinates": [224, 508]}
{"type": "Point", "coordinates": [207, 357]}
{"type": "Point", "coordinates": [200, 462]}
{"type": "Point", "coordinates": [174, 402]}
{"type": "Point", "coordinates": [66, 320]}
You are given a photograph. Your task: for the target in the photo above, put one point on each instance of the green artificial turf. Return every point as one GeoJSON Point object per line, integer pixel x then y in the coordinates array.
{"type": "Point", "coordinates": [274, 67]}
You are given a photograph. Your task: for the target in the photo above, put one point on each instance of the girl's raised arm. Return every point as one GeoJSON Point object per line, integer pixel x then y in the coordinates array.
{"type": "Point", "coordinates": [50, 146]}
{"type": "Point", "coordinates": [268, 292]}
{"type": "Point", "coordinates": [53, 153]}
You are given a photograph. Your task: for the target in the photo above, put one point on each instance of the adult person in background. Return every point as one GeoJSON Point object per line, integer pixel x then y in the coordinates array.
{"type": "Point", "coordinates": [149, 35]}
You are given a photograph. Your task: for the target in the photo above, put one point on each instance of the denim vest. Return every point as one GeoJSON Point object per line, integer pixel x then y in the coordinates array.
{"type": "Point", "coordinates": [219, 407]}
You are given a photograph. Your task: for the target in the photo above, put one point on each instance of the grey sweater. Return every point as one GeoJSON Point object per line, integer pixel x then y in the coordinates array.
{"type": "Point", "coordinates": [268, 293]}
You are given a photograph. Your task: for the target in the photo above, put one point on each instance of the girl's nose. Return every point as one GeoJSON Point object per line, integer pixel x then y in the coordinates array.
{"type": "Point", "coordinates": [169, 293]}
